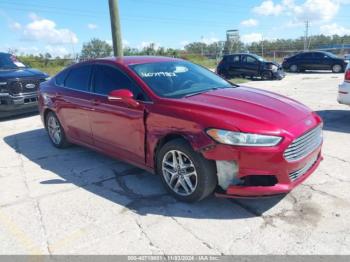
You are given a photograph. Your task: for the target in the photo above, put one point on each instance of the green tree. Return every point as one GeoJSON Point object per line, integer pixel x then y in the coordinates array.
{"type": "Point", "coordinates": [95, 48]}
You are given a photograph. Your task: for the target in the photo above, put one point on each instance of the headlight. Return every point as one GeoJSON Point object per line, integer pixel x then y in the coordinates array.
{"type": "Point", "coordinates": [242, 139]}
{"type": "Point", "coordinates": [274, 68]}
{"type": "Point", "coordinates": [47, 78]}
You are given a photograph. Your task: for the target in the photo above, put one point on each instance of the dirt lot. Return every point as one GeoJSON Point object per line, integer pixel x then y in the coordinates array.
{"type": "Point", "coordinates": [76, 201]}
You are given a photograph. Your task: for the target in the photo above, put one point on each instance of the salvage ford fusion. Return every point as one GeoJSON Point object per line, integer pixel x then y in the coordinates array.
{"type": "Point", "coordinates": [198, 132]}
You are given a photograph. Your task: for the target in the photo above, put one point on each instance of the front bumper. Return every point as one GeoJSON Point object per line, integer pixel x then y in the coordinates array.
{"type": "Point", "coordinates": [11, 105]}
{"type": "Point", "coordinates": [265, 163]}
{"type": "Point", "coordinates": [279, 74]}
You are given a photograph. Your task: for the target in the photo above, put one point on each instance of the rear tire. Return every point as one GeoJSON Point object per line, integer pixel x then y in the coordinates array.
{"type": "Point", "coordinates": [55, 131]}
{"type": "Point", "coordinates": [337, 68]}
{"type": "Point", "coordinates": [186, 174]}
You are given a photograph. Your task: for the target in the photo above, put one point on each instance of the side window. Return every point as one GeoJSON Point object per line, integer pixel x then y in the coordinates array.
{"type": "Point", "coordinates": [79, 78]}
{"type": "Point", "coordinates": [250, 60]}
{"type": "Point", "coordinates": [308, 56]}
{"type": "Point", "coordinates": [107, 79]}
{"type": "Point", "coordinates": [233, 59]}
{"type": "Point", "coordinates": [61, 77]}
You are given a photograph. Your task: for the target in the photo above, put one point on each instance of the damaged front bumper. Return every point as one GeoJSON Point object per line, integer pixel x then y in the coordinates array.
{"type": "Point", "coordinates": [260, 171]}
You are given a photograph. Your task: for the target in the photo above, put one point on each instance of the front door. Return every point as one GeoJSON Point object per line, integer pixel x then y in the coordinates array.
{"type": "Point", "coordinates": [116, 127]}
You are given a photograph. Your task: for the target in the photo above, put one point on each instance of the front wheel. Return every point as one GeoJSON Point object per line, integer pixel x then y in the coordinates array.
{"type": "Point", "coordinates": [337, 68]}
{"type": "Point", "coordinates": [266, 75]}
{"type": "Point", "coordinates": [186, 174]}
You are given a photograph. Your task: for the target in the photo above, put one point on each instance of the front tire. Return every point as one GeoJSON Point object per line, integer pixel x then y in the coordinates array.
{"type": "Point", "coordinates": [337, 68]}
{"type": "Point", "coordinates": [55, 130]}
{"type": "Point", "coordinates": [266, 75]}
{"type": "Point", "coordinates": [186, 174]}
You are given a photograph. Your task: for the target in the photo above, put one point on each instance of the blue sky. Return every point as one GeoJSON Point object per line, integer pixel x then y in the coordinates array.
{"type": "Point", "coordinates": [61, 27]}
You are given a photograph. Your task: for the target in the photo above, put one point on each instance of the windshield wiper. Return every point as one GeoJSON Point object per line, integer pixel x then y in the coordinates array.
{"type": "Point", "coordinates": [202, 92]}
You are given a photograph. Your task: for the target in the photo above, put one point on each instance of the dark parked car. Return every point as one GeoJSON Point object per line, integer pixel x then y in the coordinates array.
{"type": "Point", "coordinates": [249, 65]}
{"type": "Point", "coordinates": [317, 60]}
{"type": "Point", "coordinates": [18, 86]}
{"type": "Point", "coordinates": [198, 132]}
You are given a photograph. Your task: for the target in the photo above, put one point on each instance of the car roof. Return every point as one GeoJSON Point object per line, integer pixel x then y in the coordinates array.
{"type": "Point", "coordinates": [134, 60]}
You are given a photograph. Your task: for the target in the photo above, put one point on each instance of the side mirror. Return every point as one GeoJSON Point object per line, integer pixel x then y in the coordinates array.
{"type": "Point", "coordinates": [123, 95]}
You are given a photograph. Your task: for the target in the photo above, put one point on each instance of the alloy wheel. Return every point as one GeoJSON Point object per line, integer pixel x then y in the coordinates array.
{"type": "Point", "coordinates": [54, 129]}
{"type": "Point", "coordinates": [337, 68]}
{"type": "Point", "coordinates": [179, 173]}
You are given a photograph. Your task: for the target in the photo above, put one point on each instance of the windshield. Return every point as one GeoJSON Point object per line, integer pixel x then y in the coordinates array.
{"type": "Point", "coordinates": [178, 79]}
{"type": "Point", "coordinates": [331, 54]}
{"type": "Point", "coordinates": [8, 61]}
{"type": "Point", "coordinates": [258, 57]}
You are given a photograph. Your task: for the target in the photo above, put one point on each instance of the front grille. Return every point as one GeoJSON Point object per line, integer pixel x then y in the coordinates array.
{"type": "Point", "coordinates": [304, 145]}
{"type": "Point", "coordinates": [299, 173]}
{"type": "Point", "coordinates": [23, 86]}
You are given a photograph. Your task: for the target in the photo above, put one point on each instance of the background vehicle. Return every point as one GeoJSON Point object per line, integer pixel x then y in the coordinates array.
{"type": "Point", "coordinates": [249, 65]}
{"type": "Point", "coordinates": [18, 86]}
{"type": "Point", "coordinates": [347, 58]}
{"type": "Point", "coordinates": [344, 89]}
{"type": "Point", "coordinates": [185, 123]}
{"type": "Point", "coordinates": [315, 60]}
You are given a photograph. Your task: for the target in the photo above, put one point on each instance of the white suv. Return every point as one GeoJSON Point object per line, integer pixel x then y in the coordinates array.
{"type": "Point", "coordinates": [344, 88]}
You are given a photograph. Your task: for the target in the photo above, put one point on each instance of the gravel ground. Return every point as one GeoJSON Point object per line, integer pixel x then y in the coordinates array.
{"type": "Point", "coordinates": [76, 201]}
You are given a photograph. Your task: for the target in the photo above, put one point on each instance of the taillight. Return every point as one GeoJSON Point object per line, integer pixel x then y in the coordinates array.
{"type": "Point", "coordinates": [347, 76]}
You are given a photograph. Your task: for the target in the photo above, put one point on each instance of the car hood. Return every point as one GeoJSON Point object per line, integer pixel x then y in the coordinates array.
{"type": "Point", "coordinates": [22, 72]}
{"type": "Point", "coordinates": [251, 108]}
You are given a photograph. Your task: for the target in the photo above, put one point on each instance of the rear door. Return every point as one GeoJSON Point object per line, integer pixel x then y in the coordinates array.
{"type": "Point", "coordinates": [250, 65]}
{"type": "Point", "coordinates": [234, 65]}
{"type": "Point", "coordinates": [74, 103]}
{"type": "Point", "coordinates": [116, 127]}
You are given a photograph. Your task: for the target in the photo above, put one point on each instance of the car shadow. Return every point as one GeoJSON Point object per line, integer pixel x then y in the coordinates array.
{"type": "Point", "coordinates": [134, 189]}
{"type": "Point", "coordinates": [335, 120]}
{"type": "Point", "coordinates": [23, 115]}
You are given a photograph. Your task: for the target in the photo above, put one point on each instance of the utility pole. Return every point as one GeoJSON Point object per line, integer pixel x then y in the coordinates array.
{"type": "Point", "coordinates": [306, 37]}
{"type": "Point", "coordinates": [202, 45]}
{"type": "Point", "coordinates": [262, 46]}
{"type": "Point", "coordinates": [115, 26]}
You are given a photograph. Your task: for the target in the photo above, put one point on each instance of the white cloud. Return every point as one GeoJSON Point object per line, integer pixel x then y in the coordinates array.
{"type": "Point", "coordinates": [314, 10]}
{"type": "Point", "coordinates": [334, 29]}
{"type": "Point", "coordinates": [250, 22]}
{"type": "Point", "coordinates": [267, 8]}
{"type": "Point", "coordinates": [250, 38]}
{"type": "Point", "coordinates": [209, 40]}
{"type": "Point", "coordinates": [46, 31]}
{"type": "Point", "coordinates": [15, 26]}
{"type": "Point", "coordinates": [92, 26]}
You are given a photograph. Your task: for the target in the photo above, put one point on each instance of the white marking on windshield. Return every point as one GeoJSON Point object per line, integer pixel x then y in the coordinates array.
{"type": "Point", "coordinates": [159, 74]}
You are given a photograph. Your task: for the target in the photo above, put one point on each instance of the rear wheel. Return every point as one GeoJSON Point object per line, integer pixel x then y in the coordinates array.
{"type": "Point", "coordinates": [186, 174]}
{"type": "Point", "coordinates": [55, 131]}
{"type": "Point", "coordinates": [294, 68]}
{"type": "Point", "coordinates": [337, 68]}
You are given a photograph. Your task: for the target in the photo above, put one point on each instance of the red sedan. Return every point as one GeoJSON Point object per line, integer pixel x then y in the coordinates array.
{"type": "Point", "coordinates": [198, 132]}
